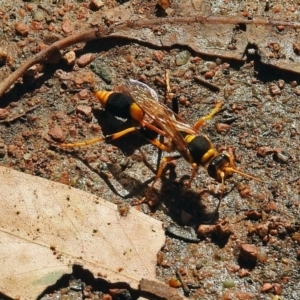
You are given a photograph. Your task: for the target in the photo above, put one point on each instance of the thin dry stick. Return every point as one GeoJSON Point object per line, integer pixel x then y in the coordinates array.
{"type": "Point", "coordinates": [41, 57]}
{"type": "Point", "coordinates": [7, 121]}
{"type": "Point", "coordinates": [206, 83]}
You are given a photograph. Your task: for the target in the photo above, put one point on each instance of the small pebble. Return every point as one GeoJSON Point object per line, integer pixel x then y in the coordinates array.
{"type": "Point", "coordinates": [84, 109]}
{"type": "Point", "coordinates": [85, 59]}
{"type": "Point", "coordinates": [159, 56]}
{"type": "Point", "coordinates": [274, 90]}
{"type": "Point", "coordinates": [297, 91]}
{"type": "Point", "coordinates": [296, 237]}
{"type": "Point", "coordinates": [182, 58]}
{"type": "Point", "coordinates": [267, 287]}
{"type": "Point", "coordinates": [21, 29]}
{"type": "Point", "coordinates": [96, 4]}
{"type": "Point", "coordinates": [281, 83]}
{"type": "Point", "coordinates": [106, 297]}
{"type": "Point", "coordinates": [86, 77]}
{"type": "Point", "coordinates": [209, 74]}
{"type": "Point", "coordinates": [222, 127]}
{"type": "Point", "coordinates": [263, 151]}
{"type": "Point", "coordinates": [205, 230]}
{"type": "Point", "coordinates": [277, 289]}
{"type": "Point", "coordinates": [27, 156]}
{"type": "Point", "coordinates": [83, 94]}
{"type": "Point", "coordinates": [50, 38]}
{"type": "Point", "coordinates": [210, 65]}
{"type": "Point", "coordinates": [96, 128]}
{"type": "Point", "coordinates": [262, 230]}
{"type": "Point", "coordinates": [70, 58]}
{"type": "Point", "coordinates": [228, 284]}
{"type": "Point", "coordinates": [262, 255]}
{"type": "Point", "coordinates": [253, 215]}
{"type": "Point", "coordinates": [174, 283]}
{"type": "Point", "coordinates": [67, 27]}
{"type": "Point", "coordinates": [4, 113]}
{"type": "Point", "coordinates": [39, 16]}
{"type": "Point", "coordinates": [11, 150]}
{"type": "Point", "coordinates": [56, 134]}
{"type": "Point", "coordinates": [3, 57]}
{"type": "Point", "coordinates": [164, 4]}
{"type": "Point", "coordinates": [281, 156]}
{"type": "Point", "coordinates": [64, 178]}
{"type": "Point", "coordinates": [243, 273]}
{"type": "Point", "coordinates": [223, 230]}
{"type": "Point", "coordinates": [143, 78]}
{"type": "Point", "coordinates": [248, 253]}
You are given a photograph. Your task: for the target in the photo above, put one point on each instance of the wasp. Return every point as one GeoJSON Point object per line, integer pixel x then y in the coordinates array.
{"type": "Point", "coordinates": [141, 102]}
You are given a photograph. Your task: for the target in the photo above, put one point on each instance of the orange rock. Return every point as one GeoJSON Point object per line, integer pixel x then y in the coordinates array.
{"type": "Point", "coordinates": [267, 287]}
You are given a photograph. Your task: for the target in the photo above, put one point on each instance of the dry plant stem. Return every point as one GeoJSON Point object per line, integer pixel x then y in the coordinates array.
{"type": "Point", "coordinates": [184, 285]}
{"type": "Point", "coordinates": [41, 57]}
{"type": "Point", "coordinates": [7, 121]}
{"type": "Point", "coordinates": [206, 83]}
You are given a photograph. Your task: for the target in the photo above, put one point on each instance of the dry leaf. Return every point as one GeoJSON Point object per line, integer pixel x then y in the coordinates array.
{"type": "Point", "coordinates": [193, 24]}
{"type": "Point", "coordinates": [46, 227]}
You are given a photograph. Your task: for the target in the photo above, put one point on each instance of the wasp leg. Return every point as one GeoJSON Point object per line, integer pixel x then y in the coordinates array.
{"type": "Point", "coordinates": [202, 120]}
{"type": "Point", "coordinates": [80, 144]}
{"type": "Point", "coordinates": [221, 193]}
{"type": "Point", "coordinates": [194, 172]}
{"type": "Point", "coordinates": [169, 95]}
{"type": "Point", "coordinates": [161, 167]}
{"type": "Point", "coordinates": [107, 138]}
{"type": "Point", "coordinates": [148, 125]}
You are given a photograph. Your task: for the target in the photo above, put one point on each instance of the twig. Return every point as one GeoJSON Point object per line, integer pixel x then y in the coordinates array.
{"type": "Point", "coordinates": [184, 285]}
{"type": "Point", "coordinates": [211, 86]}
{"type": "Point", "coordinates": [7, 121]}
{"type": "Point", "coordinates": [42, 57]}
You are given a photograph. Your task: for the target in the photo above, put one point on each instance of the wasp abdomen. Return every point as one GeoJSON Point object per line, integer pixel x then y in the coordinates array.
{"type": "Point", "coordinates": [120, 105]}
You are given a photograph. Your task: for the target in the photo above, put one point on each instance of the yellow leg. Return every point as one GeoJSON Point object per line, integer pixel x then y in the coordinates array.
{"type": "Point", "coordinates": [158, 144]}
{"type": "Point", "coordinates": [194, 172]}
{"type": "Point", "coordinates": [119, 134]}
{"type": "Point", "coordinates": [202, 120]}
{"type": "Point", "coordinates": [107, 138]}
{"type": "Point", "coordinates": [80, 144]}
{"type": "Point", "coordinates": [221, 190]}
{"type": "Point", "coordinates": [153, 128]}
{"type": "Point", "coordinates": [161, 167]}
{"type": "Point", "coordinates": [169, 94]}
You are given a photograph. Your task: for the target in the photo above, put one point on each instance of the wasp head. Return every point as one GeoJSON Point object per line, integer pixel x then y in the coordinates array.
{"type": "Point", "coordinates": [222, 166]}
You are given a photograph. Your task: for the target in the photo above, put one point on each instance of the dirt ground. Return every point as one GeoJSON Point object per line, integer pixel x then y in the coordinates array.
{"type": "Point", "coordinates": [258, 123]}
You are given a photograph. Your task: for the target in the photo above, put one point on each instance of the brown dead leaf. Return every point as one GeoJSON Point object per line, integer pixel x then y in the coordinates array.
{"type": "Point", "coordinates": [233, 36]}
{"type": "Point", "coordinates": [46, 227]}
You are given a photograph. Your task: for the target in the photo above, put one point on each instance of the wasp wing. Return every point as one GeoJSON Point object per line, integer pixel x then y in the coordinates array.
{"type": "Point", "coordinates": [163, 116]}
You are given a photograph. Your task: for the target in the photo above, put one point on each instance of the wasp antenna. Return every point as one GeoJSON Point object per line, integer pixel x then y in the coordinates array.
{"type": "Point", "coordinates": [230, 169]}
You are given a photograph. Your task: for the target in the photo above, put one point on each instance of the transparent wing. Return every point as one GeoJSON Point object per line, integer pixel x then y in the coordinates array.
{"type": "Point", "coordinates": [166, 119]}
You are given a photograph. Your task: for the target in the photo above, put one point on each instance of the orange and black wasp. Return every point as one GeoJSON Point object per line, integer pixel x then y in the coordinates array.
{"type": "Point", "coordinates": [141, 103]}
